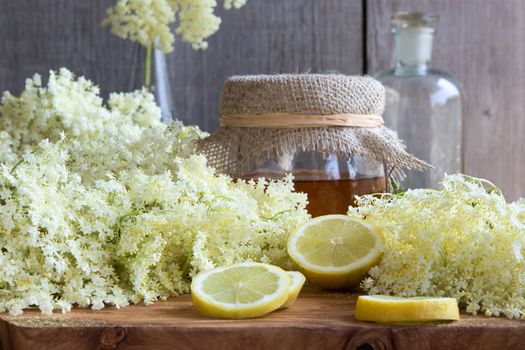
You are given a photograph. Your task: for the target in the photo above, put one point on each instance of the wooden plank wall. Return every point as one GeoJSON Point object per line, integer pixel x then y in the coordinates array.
{"type": "Point", "coordinates": [36, 36]}
{"type": "Point", "coordinates": [482, 43]}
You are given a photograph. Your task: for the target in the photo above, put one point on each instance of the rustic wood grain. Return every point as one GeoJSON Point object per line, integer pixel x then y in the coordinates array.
{"type": "Point", "coordinates": [269, 36]}
{"type": "Point", "coordinates": [36, 36]}
{"type": "Point", "coordinates": [5, 341]}
{"type": "Point", "coordinates": [482, 44]}
{"type": "Point", "coordinates": [318, 320]}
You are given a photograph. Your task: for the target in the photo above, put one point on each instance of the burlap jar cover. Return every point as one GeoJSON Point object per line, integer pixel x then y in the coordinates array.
{"type": "Point", "coordinates": [270, 117]}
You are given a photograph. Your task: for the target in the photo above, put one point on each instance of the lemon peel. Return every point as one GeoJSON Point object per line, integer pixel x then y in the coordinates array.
{"type": "Point", "coordinates": [297, 280]}
{"type": "Point", "coordinates": [387, 309]}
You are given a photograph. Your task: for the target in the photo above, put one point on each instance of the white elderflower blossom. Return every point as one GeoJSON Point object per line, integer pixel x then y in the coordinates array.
{"type": "Point", "coordinates": [103, 204]}
{"type": "Point", "coordinates": [462, 241]}
{"type": "Point", "coordinates": [148, 22]}
{"type": "Point", "coordinates": [144, 21]}
{"type": "Point", "coordinates": [124, 134]}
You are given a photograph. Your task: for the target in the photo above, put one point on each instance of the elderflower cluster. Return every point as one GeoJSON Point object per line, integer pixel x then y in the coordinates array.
{"type": "Point", "coordinates": [462, 241]}
{"type": "Point", "coordinates": [127, 133]}
{"type": "Point", "coordinates": [148, 22]}
{"type": "Point", "coordinates": [103, 204]}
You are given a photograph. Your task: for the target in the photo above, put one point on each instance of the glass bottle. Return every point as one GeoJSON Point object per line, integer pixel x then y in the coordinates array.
{"type": "Point", "coordinates": [423, 105]}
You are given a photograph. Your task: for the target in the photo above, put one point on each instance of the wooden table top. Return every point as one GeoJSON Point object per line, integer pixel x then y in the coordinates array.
{"type": "Point", "coordinates": [317, 320]}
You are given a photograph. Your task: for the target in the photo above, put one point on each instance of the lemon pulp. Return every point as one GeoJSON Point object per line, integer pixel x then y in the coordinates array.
{"type": "Point", "coordinates": [335, 251]}
{"type": "Point", "coordinates": [240, 291]}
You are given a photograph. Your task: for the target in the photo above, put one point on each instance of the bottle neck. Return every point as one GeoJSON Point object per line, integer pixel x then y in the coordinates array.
{"type": "Point", "coordinates": [413, 49]}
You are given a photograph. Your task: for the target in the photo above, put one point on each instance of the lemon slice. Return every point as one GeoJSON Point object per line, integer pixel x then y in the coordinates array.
{"type": "Point", "coordinates": [335, 251]}
{"type": "Point", "coordinates": [384, 309]}
{"type": "Point", "coordinates": [297, 280]}
{"type": "Point", "coordinates": [244, 290]}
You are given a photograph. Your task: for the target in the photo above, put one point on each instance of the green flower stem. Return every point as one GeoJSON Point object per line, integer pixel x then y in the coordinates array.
{"type": "Point", "coordinates": [16, 166]}
{"type": "Point", "coordinates": [147, 73]}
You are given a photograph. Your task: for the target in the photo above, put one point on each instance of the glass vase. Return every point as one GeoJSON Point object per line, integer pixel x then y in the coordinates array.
{"type": "Point", "coordinates": [161, 86]}
{"type": "Point", "coordinates": [156, 80]}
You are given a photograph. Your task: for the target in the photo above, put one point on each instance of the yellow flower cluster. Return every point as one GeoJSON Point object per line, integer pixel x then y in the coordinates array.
{"type": "Point", "coordinates": [148, 21]}
{"type": "Point", "coordinates": [463, 241]}
{"type": "Point", "coordinates": [103, 204]}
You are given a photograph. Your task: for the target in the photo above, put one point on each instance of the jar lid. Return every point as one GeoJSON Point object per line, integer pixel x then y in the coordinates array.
{"type": "Point", "coordinates": [294, 100]}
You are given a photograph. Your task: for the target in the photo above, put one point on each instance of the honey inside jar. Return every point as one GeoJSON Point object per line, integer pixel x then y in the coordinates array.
{"type": "Point", "coordinates": [335, 196]}
{"type": "Point", "coordinates": [331, 183]}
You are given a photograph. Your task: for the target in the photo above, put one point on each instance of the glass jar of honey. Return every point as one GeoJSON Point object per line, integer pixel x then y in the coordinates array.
{"type": "Point", "coordinates": [326, 130]}
{"type": "Point", "coordinates": [331, 182]}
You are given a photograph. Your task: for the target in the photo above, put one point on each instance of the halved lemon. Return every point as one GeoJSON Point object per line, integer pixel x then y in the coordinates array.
{"type": "Point", "coordinates": [385, 309]}
{"type": "Point", "coordinates": [243, 290]}
{"type": "Point", "coordinates": [335, 251]}
{"type": "Point", "coordinates": [297, 280]}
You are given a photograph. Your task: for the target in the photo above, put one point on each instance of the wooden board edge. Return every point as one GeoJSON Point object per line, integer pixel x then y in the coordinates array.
{"type": "Point", "coordinates": [5, 340]}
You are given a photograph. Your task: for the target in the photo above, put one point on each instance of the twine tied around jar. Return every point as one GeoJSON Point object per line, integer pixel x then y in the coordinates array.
{"type": "Point", "coordinates": [289, 120]}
